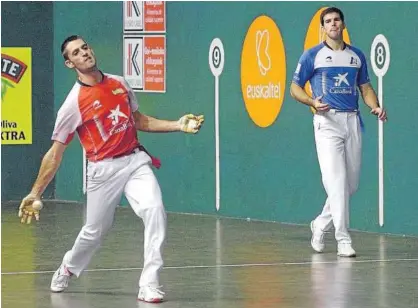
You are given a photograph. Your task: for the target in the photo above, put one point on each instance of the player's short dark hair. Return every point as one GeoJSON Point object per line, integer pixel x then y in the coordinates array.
{"type": "Point", "coordinates": [65, 43]}
{"type": "Point", "coordinates": [331, 10]}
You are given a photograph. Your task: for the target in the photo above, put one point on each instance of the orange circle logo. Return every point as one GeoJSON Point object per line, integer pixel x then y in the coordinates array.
{"type": "Point", "coordinates": [315, 35]}
{"type": "Point", "coordinates": [263, 71]}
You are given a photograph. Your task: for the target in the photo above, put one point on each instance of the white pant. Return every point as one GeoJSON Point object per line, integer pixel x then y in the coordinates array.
{"type": "Point", "coordinates": [338, 143]}
{"type": "Point", "coordinates": [107, 180]}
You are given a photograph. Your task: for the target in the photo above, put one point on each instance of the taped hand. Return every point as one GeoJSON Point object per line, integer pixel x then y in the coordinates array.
{"type": "Point", "coordinates": [190, 123]}
{"type": "Point", "coordinates": [29, 208]}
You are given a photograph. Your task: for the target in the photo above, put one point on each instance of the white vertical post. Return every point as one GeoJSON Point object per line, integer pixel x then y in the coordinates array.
{"type": "Point", "coordinates": [217, 151]}
{"type": "Point", "coordinates": [381, 171]}
{"type": "Point", "coordinates": [216, 64]}
{"type": "Point", "coordinates": [380, 59]}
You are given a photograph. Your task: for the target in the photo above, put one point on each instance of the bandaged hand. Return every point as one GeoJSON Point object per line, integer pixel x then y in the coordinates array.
{"type": "Point", "coordinates": [29, 208]}
{"type": "Point", "coordinates": [191, 123]}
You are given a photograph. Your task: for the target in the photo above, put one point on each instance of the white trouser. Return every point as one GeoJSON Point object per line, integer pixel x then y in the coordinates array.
{"type": "Point", "coordinates": [107, 180]}
{"type": "Point", "coordinates": [338, 143]}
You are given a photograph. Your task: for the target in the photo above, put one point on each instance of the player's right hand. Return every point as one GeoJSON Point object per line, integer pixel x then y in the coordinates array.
{"type": "Point", "coordinates": [380, 113]}
{"type": "Point", "coordinates": [318, 105]}
{"type": "Point", "coordinates": [29, 208]}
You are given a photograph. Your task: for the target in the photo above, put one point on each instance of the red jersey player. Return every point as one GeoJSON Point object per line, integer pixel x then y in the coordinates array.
{"type": "Point", "coordinates": [103, 110]}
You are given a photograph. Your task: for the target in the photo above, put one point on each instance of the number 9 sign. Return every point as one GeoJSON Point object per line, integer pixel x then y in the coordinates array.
{"type": "Point", "coordinates": [380, 55]}
{"type": "Point", "coordinates": [216, 57]}
{"type": "Point", "coordinates": [216, 64]}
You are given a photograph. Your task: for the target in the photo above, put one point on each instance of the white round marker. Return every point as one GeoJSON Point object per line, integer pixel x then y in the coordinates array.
{"type": "Point", "coordinates": [380, 55]}
{"type": "Point", "coordinates": [216, 57]}
{"type": "Point", "coordinates": [380, 59]}
{"type": "Point", "coordinates": [216, 64]}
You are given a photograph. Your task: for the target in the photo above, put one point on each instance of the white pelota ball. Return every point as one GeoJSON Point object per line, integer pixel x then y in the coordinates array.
{"type": "Point", "coordinates": [192, 124]}
{"type": "Point", "coordinates": [37, 205]}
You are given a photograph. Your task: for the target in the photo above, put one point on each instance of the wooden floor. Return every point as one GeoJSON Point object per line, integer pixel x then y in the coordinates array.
{"type": "Point", "coordinates": [209, 262]}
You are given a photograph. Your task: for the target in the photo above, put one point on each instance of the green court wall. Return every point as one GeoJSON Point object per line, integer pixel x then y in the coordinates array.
{"type": "Point", "coordinates": [266, 173]}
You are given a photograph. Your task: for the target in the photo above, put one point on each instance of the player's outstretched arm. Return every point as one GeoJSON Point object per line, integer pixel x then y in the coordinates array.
{"type": "Point", "coordinates": [31, 204]}
{"type": "Point", "coordinates": [370, 99]}
{"type": "Point", "coordinates": [188, 123]}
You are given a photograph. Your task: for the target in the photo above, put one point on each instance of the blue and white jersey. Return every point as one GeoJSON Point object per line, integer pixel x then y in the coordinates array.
{"type": "Point", "coordinates": [335, 74]}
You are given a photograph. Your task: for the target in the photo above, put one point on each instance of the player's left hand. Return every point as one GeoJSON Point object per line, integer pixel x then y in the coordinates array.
{"type": "Point", "coordinates": [191, 123]}
{"type": "Point", "coordinates": [380, 113]}
{"type": "Point", "coordinates": [29, 208]}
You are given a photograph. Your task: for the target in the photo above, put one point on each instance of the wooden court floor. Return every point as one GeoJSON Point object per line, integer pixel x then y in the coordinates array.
{"type": "Point", "coordinates": [209, 262]}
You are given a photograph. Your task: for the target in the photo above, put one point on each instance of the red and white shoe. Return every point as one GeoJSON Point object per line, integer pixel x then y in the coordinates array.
{"type": "Point", "coordinates": [60, 279]}
{"type": "Point", "coordinates": [150, 295]}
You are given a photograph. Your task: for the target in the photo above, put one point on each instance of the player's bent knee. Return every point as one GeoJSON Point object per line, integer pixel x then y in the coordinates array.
{"type": "Point", "coordinates": [155, 216]}
{"type": "Point", "coordinates": [156, 212]}
{"type": "Point", "coordinates": [94, 233]}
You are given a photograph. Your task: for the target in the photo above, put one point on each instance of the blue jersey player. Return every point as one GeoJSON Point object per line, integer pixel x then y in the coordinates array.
{"type": "Point", "coordinates": [337, 73]}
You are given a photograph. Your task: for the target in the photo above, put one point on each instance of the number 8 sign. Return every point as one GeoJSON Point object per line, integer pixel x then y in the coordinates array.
{"type": "Point", "coordinates": [380, 55]}
{"type": "Point", "coordinates": [380, 58]}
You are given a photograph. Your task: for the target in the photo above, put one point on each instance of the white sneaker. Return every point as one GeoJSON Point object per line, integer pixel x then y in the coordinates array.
{"type": "Point", "coordinates": [345, 250]}
{"type": "Point", "coordinates": [60, 279]}
{"type": "Point", "coordinates": [317, 240]}
{"type": "Point", "coordinates": [150, 294]}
